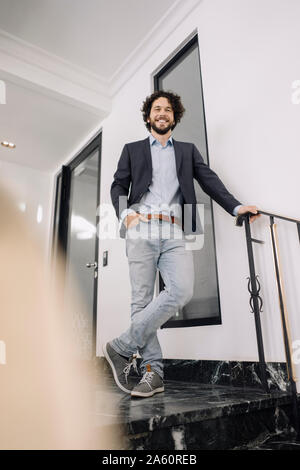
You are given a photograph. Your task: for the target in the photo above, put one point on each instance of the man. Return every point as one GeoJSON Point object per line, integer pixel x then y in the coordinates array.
{"type": "Point", "coordinates": [159, 211]}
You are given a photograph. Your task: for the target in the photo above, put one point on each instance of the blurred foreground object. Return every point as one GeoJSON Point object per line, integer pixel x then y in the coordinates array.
{"type": "Point", "coordinates": [47, 396]}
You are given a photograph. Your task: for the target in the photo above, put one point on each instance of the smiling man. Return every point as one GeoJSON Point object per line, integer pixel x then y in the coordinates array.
{"type": "Point", "coordinates": [154, 218]}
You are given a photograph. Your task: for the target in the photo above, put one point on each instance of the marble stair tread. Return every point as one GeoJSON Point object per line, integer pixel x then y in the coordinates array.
{"type": "Point", "coordinates": [181, 403]}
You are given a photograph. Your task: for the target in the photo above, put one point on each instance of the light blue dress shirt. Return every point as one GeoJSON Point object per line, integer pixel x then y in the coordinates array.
{"type": "Point", "coordinates": [164, 194]}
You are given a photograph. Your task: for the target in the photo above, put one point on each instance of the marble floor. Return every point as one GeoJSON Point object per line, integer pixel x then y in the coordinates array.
{"type": "Point", "coordinates": [276, 443]}
{"type": "Point", "coordinates": [200, 408]}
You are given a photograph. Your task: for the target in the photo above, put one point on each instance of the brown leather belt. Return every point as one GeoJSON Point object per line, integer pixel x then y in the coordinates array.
{"type": "Point", "coordinates": [172, 219]}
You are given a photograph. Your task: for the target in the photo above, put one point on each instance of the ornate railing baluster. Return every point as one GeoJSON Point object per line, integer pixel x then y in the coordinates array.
{"type": "Point", "coordinates": [254, 300]}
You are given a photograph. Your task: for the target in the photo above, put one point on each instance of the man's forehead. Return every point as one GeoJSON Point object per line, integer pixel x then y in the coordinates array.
{"type": "Point", "coordinates": [161, 102]}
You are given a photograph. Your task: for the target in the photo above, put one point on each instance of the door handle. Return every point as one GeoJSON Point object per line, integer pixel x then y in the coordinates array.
{"type": "Point", "coordinates": [92, 265]}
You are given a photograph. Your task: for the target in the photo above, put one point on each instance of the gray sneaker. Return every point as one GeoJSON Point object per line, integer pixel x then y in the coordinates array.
{"type": "Point", "coordinates": [150, 384]}
{"type": "Point", "coordinates": [121, 368]}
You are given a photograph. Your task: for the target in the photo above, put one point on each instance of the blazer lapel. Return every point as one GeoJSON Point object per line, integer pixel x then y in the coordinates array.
{"type": "Point", "coordinates": [178, 155]}
{"type": "Point", "coordinates": [147, 154]}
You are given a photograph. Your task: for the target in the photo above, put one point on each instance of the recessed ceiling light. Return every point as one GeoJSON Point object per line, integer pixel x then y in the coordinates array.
{"type": "Point", "coordinates": [9, 145]}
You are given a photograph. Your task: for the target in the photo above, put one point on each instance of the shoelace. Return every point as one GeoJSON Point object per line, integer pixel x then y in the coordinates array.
{"type": "Point", "coordinates": [148, 376]}
{"type": "Point", "coordinates": [128, 366]}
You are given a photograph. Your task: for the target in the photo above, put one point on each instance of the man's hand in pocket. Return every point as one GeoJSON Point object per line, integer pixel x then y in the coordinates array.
{"type": "Point", "coordinates": [132, 220]}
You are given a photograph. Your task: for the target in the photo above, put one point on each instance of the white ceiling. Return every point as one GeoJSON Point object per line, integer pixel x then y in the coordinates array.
{"type": "Point", "coordinates": [44, 129]}
{"type": "Point", "coordinates": [81, 41]}
{"type": "Point", "coordinates": [95, 34]}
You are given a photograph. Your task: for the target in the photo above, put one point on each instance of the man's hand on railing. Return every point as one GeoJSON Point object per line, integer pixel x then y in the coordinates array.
{"type": "Point", "coordinates": [252, 209]}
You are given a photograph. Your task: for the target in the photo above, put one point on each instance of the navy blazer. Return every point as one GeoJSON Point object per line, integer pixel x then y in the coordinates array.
{"type": "Point", "coordinates": [134, 176]}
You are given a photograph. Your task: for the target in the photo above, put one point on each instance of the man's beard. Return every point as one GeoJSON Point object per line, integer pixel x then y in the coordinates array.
{"type": "Point", "coordinates": [159, 130]}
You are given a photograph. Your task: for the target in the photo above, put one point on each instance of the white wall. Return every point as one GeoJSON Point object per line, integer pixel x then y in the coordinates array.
{"type": "Point", "coordinates": [249, 60]}
{"type": "Point", "coordinates": [33, 192]}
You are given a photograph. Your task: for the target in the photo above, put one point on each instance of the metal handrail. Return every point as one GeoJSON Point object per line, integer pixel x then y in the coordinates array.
{"type": "Point", "coordinates": [256, 303]}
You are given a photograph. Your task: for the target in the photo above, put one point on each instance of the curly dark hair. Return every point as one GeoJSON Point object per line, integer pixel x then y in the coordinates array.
{"type": "Point", "coordinates": [173, 99]}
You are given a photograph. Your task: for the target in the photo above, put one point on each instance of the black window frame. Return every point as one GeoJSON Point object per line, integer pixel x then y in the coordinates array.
{"type": "Point", "coordinates": [204, 321]}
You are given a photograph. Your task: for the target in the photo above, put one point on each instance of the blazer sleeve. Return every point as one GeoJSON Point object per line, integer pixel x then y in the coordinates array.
{"type": "Point", "coordinates": [211, 183]}
{"type": "Point", "coordinates": [121, 182]}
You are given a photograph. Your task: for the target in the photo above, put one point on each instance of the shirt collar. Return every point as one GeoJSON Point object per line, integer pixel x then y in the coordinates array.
{"type": "Point", "coordinates": [154, 140]}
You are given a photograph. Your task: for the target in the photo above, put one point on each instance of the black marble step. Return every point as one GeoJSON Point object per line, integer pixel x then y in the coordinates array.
{"type": "Point", "coordinates": [235, 373]}
{"type": "Point", "coordinates": [192, 416]}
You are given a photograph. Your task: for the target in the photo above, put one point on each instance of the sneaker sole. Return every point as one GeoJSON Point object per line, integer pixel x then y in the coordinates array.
{"type": "Point", "coordinates": [148, 394]}
{"type": "Point", "coordinates": [114, 370]}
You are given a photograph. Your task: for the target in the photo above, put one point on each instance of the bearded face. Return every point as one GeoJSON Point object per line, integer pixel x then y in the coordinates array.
{"type": "Point", "coordinates": [161, 117]}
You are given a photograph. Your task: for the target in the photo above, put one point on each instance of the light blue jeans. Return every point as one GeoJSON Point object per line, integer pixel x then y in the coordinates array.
{"type": "Point", "coordinates": [151, 245]}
